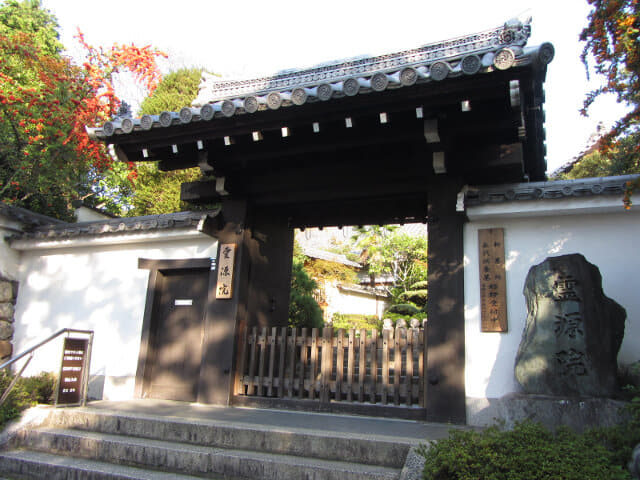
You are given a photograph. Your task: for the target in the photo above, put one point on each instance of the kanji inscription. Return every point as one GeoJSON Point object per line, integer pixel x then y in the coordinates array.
{"type": "Point", "coordinates": [226, 259]}
{"type": "Point", "coordinates": [493, 289]}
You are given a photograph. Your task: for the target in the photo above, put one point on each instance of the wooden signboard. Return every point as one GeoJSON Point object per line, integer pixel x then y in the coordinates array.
{"type": "Point", "coordinates": [226, 263]}
{"type": "Point", "coordinates": [493, 288]}
{"type": "Point", "coordinates": [72, 371]}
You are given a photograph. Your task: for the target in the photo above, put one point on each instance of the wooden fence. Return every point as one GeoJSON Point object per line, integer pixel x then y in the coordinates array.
{"type": "Point", "coordinates": [334, 366]}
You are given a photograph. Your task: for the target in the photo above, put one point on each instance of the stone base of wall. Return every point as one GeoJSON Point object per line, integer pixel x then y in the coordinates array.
{"type": "Point", "coordinates": [8, 295]}
{"type": "Point", "coordinates": [576, 413]}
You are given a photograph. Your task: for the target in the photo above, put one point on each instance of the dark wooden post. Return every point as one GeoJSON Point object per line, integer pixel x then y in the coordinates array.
{"type": "Point", "coordinates": [445, 399]}
{"type": "Point", "coordinates": [270, 250]}
{"type": "Point", "coordinates": [225, 318]}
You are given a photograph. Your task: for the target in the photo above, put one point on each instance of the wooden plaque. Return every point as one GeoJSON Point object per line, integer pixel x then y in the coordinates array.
{"type": "Point", "coordinates": [72, 371]}
{"type": "Point", "coordinates": [493, 287]}
{"type": "Point", "coordinates": [226, 263]}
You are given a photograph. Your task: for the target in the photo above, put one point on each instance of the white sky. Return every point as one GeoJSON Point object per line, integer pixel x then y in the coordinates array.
{"type": "Point", "coordinates": [243, 38]}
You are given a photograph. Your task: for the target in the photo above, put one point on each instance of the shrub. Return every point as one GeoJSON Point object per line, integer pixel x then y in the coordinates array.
{"type": "Point", "coordinates": [407, 318]}
{"type": "Point", "coordinates": [528, 451]}
{"type": "Point", "coordinates": [422, 285]}
{"type": "Point", "coordinates": [26, 393]}
{"type": "Point", "coordinates": [403, 309]}
{"type": "Point", "coordinates": [304, 311]}
{"type": "Point", "coordinates": [40, 388]}
{"type": "Point", "coordinates": [620, 439]}
{"type": "Point", "coordinates": [419, 297]}
{"type": "Point", "coordinates": [357, 321]}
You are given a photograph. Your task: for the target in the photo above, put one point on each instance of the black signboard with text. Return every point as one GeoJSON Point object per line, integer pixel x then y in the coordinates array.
{"type": "Point", "coordinates": [72, 371]}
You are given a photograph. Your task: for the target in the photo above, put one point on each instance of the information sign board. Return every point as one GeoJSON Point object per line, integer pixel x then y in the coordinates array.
{"type": "Point", "coordinates": [493, 290]}
{"type": "Point", "coordinates": [72, 371]}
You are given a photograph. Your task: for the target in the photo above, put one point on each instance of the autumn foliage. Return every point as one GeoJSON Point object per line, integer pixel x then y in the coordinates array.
{"type": "Point", "coordinates": [47, 159]}
{"type": "Point", "coordinates": [612, 48]}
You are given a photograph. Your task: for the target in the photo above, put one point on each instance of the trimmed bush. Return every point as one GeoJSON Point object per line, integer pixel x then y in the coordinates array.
{"type": "Point", "coordinates": [357, 321]}
{"type": "Point", "coordinates": [419, 297]}
{"type": "Point", "coordinates": [407, 318]}
{"type": "Point", "coordinates": [529, 451]}
{"type": "Point", "coordinates": [403, 309]}
{"type": "Point", "coordinates": [423, 285]}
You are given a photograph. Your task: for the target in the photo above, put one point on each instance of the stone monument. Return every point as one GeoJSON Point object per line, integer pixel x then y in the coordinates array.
{"type": "Point", "coordinates": [573, 332]}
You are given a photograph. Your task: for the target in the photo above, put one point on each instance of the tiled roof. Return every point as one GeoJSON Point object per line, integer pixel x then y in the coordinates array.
{"type": "Point", "coordinates": [168, 221]}
{"type": "Point", "coordinates": [548, 190]}
{"type": "Point", "coordinates": [374, 292]}
{"type": "Point", "coordinates": [329, 256]}
{"type": "Point", "coordinates": [484, 52]}
{"type": "Point", "coordinates": [28, 218]}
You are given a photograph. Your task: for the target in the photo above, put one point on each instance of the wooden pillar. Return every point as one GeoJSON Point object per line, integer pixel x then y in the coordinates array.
{"type": "Point", "coordinates": [445, 400]}
{"type": "Point", "coordinates": [270, 249]}
{"type": "Point", "coordinates": [224, 317]}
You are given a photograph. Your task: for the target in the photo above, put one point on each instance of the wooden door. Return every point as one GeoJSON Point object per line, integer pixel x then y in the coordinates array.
{"type": "Point", "coordinates": [177, 322]}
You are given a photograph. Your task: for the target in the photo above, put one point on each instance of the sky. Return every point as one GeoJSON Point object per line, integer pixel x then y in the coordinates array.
{"type": "Point", "coordinates": [243, 39]}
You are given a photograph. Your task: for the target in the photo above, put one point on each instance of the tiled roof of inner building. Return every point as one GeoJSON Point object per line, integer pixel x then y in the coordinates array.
{"type": "Point", "coordinates": [28, 218]}
{"type": "Point", "coordinates": [498, 49]}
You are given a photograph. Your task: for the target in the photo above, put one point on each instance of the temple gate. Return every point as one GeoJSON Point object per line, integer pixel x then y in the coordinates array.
{"type": "Point", "coordinates": [388, 139]}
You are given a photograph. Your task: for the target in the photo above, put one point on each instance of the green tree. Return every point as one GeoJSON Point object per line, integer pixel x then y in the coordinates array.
{"type": "Point", "coordinates": [369, 240]}
{"type": "Point", "coordinates": [304, 311]}
{"type": "Point", "coordinates": [155, 191]}
{"type": "Point", "coordinates": [622, 159]}
{"type": "Point", "coordinates": [405, 257]}
{"type": "Point", "coordinates": [29, 17]}
{"type": "Point", "coordinates": [388, 251]}
{"type": "Point", "coordinates": [176, 90]}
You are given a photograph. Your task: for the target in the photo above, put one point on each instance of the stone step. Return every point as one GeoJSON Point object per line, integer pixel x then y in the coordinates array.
{"type": "Point", "coordinates": [197, 459]}
{"type": "Point", "coordinates": [313, 443]}
{"type": "Point", "coordinates": [38, 465]}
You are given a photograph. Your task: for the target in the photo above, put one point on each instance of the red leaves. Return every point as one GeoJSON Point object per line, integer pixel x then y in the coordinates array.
{"type": "Point", "coordinates": [47, 101]}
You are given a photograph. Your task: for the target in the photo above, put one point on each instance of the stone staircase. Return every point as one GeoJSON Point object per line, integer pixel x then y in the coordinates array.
{"type": "Point", "coordinates": [97, 444]}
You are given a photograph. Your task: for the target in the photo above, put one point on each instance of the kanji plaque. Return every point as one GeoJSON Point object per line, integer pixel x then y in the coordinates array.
{"type": "Point", "coordinates": [226, 260]}
{"type": "Point", "coordinates": [493, 288]}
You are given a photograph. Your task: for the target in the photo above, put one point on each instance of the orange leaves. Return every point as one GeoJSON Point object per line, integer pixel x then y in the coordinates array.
{"type": "Point", "coordinates": [45, 103]}
{"type": "Point", "coordinates": [613, 46]}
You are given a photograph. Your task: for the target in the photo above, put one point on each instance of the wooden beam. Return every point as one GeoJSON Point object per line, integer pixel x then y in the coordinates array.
{"type": "Point", "coordinates": [200, 192]}
{"type": "Point", "coordinates": [431, 96]}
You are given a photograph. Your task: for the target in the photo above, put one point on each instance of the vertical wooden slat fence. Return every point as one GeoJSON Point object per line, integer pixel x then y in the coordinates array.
{"type": "Point", "coordinates": [352, 366]}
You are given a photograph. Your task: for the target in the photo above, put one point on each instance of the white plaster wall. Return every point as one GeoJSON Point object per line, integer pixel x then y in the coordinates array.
{"type": "Point", "coordinates": [84, 214]}
{"type": "Point", "coordinates": [9, 258]}
{"type": "Point", "coordinates": [341, 301]}
{"type": "Point", "coordinates": [600, 229]}
{"type": "Point", "coordinates": [93, 288]}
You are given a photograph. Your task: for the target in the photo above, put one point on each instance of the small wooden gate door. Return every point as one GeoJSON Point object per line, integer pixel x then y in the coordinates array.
{"type": "Point", "coordinates": [178, 321]}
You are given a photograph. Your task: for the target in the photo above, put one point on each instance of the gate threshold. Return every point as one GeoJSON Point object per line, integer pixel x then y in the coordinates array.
{"type": "Point", "coordinates": [410, 431]}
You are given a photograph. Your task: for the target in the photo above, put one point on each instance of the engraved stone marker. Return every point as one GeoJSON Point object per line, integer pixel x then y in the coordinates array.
{"type": "Point", "coordinates": [573, 332]}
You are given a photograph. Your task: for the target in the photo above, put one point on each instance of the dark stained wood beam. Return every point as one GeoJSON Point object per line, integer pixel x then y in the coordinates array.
{"type": "Point", "coordinates": [432, 97]}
